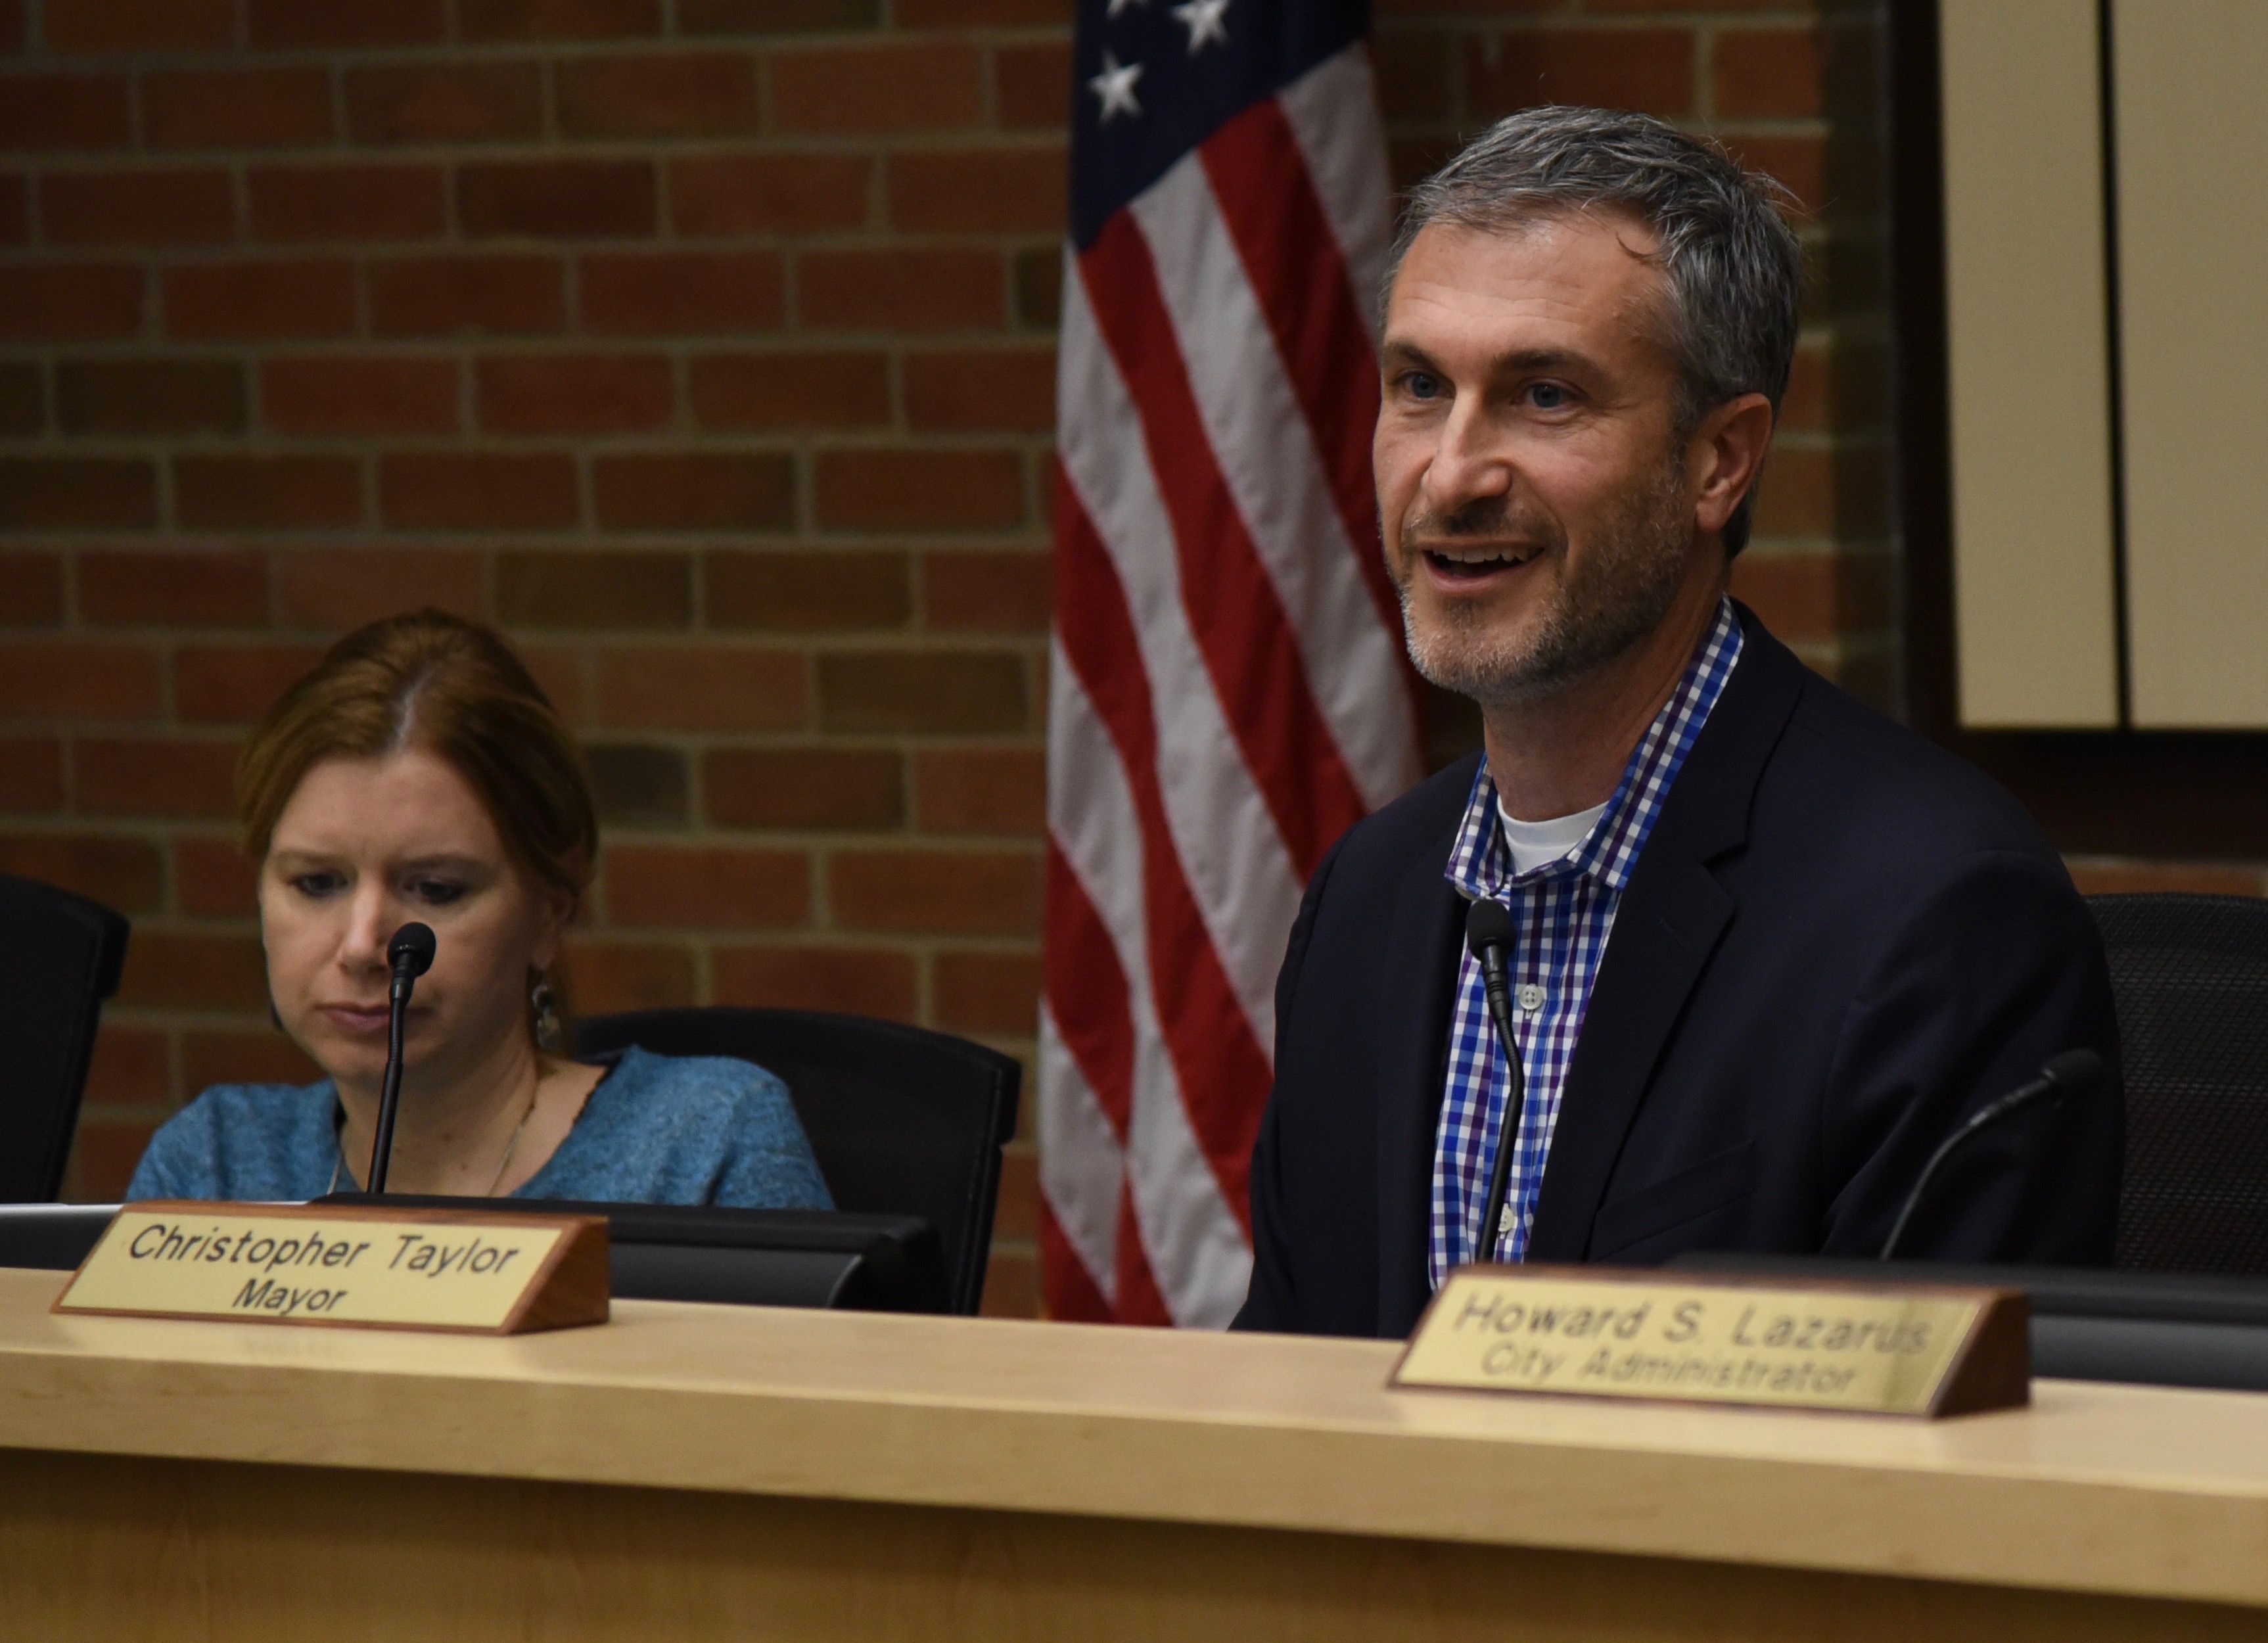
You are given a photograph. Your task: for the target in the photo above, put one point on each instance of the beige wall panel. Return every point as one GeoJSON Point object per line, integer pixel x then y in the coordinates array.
{"type": "Point", "coordinates": [2034, 577]}
{"type": "Point", "coordinates": [2190, 77]}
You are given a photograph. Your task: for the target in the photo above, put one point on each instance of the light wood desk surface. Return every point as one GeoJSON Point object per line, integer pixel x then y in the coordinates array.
{"type": "Point", "coordinates": [2145, 1492]}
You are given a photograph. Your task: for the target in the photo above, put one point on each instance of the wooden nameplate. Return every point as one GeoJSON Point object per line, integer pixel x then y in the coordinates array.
{"type": "Point", "coordinates": [364, 1265]}
{"type": "Point", "coordinates": [1892, 1349]}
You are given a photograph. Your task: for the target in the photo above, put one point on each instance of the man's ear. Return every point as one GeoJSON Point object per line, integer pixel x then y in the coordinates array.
{"type": "Point", "coordinates": [1723, 456]}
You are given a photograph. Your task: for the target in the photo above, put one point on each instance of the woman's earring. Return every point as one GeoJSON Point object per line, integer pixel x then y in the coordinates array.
{"type": "Point", "coordinates": [545, 1005]}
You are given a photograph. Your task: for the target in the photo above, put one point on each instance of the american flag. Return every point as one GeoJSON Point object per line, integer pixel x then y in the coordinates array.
{"type": "Point", "coordinates": [1228, 693]}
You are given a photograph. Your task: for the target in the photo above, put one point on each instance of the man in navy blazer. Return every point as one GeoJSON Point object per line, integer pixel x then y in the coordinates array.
{"type": "Point", "coordinates": [1771, 948]}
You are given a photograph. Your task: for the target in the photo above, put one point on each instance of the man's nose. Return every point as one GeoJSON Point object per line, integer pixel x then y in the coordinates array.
{"type": "Point", "coordinates": [1468, 466]}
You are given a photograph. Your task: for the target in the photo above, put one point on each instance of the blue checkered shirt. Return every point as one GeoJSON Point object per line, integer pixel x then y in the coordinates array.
{"type": "Point", "coordinates": [1562, 914]}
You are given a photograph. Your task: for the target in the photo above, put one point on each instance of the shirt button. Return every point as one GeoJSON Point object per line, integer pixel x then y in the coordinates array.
{"type": "Point", "coordinates": [1531, 998]}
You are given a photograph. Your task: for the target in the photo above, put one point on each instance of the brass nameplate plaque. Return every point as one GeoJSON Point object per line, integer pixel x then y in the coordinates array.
{"type": "Point", "coordinates": [360, 1265]}
{"type": "Point", "coordinates": [1903, 1348]}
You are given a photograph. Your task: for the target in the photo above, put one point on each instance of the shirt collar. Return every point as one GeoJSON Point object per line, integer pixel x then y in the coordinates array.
{"type": "Point", "coordinates": [1480, 866]}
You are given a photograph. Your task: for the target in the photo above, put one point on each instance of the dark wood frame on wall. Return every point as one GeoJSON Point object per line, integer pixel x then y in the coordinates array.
{"type": "Point", "coordinates": [2111, 792]}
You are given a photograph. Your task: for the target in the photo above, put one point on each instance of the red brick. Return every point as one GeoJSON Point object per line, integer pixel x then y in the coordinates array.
{"type": "Point", "coordinates": [801, 591]}
{"type": "Point", "coordinates": [1417, 75]}
{"type": "Point", "coordinates": [553, 588]}
{"type": "Point", "coordinates": [129, 396]}
{"type": "Point", "coordinates": [23, 402]}
{"type": "Point", "coordinates": [562, 199]}
{"type": "Point", "coordinates": [421, 296]}
{"type": "Point", "coordinates": [73, 492]}
{"type": "Point", "coordinates": [266, 493]}
{"type": "Point", "coordinates": [213, 877]}
{"type": "Point", "coordinates": [694, 492]}
{"type": "Point", "coordinates": [1033, 86]}
{"type": "Point", "coordinates": [918, 489]}
{"type": "Point", "coordinates": [14, 209]}
{"type": "Point", "coordinates": [1011, 1284]}
{"type": "Point", "coordinates": [350, 203]}
{"type": "Point", "coordinates": [30, 774]}
{"type": "Point", "coordinates": [979, 191]}
{"type": "Point", "coordinates": [768, 194]}
{"type": "Point", "coordinates": [1799, 164]}
{"type": "Point", "coordinates": [260, 1056]}
{"type": "Point", "coordinates": [444, 102]}
{"type": "Point", "coordinates": [137, 207]}
{"type": "Point", "coordinates": [103, 1159]}
{"type": "Point", "coordinates": [130, 1067]}
{"type": "Point", "coordinates": [710, 688]}
{"type": "Point", "coordinates": [775, 17]}
{"type": "Point", "coordinates": [358, 394]}
{"type": "Point", "coordinates": [920, 892]}
{"type": "Point", "coordinates": [903, 289]}
{"type": "Point", "coordinates": [981, 790]}
{"type": "Point", "coordinates": [575, 392]}
{"type": "Point", "coordinates": [70, 302]}
{"type": "Point", "coordinates": [47, 112]}
{"type": "Point", "coordinates": [77, 680]}
{"type": "Point", "coordinates": [606, 977]}
{"type": "Point", "coordinates": [122, 874]}
{"type": "Point", "coordinates": [985, 590]}
{"type": "Point", "coordinates": [708, 889]}
{"type": "Point", "coordinates": [283, 23]}
{"type": "Point", "coordinates": [338, 588]}
{"type": "Point", "coordinates": [237, 684]}
{"type": "Point", "coordinates": [1817, 596]}
{"type": "Point", "coordinates": [453, 489]}
{"type": "Point", "coordinates": [923, 692]}
{"type": "Point", "coordinates": [183, 587]}
{"type": "Point", "coordinates": [1650, 70]}
{"type": "Point", "coordinates": [1760, 73]}
{"type": "Point", "coordinates": [981, 390]}
{"type": "Point", "coordinates": [976, 13]}
{"type": "Point", "coordinates": [899, 87]}
{"type": "Point", "coordinates": [986, 992]}
{"type": "Point", "coordinates": [1017, 1213]}
{"type": "Point", "coordinates": [236, 108]}
{"type": "Point", "coordinates": [253, 300]}
{"type": "Point", "coordinates": [803, 787]}
{"type": "Point", "coordinates": [2143, 878]}
{"type": "Point", "coordinates": [651, 293]}
{"type": "Point", "coordinates": [90, 26]}
{"type": "Point", "coordinates": [559, 19]}
{"type": "Point", "coordinates": [1807, 403]}
{"type": "Point", "coordinates": [31, 589]}
{"type": "Point", "coordinates": [826, 390]}
{"type": "Point", "coordinates": [855, 981]}
{"type": "Point", "coordinates": [708, 94]}
{"type": "Point", "coordinates": [149, 777]}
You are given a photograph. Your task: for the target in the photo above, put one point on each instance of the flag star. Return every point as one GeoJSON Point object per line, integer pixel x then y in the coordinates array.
{"type": "Point", "coordinates": [1117, 6]}
{"type": "Point", "coordinates": [1115, 86]}
{"type": "Point", "coordinates": [1205, 21]}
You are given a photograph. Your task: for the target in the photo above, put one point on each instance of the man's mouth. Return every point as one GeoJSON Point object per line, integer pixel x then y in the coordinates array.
{"type": "Point", "coordinates": [1478, 561]}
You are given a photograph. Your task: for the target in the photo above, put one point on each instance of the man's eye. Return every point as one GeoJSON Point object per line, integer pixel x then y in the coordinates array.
{"type": "Point", "coordinates": [1421, 385]}
{"type": "Point", "coordinates": [1549, 396]}
{"type": "Point", "coordinates": [436, 892]}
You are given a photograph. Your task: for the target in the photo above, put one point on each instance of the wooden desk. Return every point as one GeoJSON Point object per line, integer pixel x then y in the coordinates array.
{"type": "Point", "coordinates": [709, 1472]}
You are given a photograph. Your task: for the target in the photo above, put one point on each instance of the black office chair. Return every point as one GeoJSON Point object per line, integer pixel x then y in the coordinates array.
{"type": "Point", "coordinates": [904, 1121]}
{"type": "Point", "coordinates": [60, 956]}
{"type": "Point", "coordinates": [2189, 973]}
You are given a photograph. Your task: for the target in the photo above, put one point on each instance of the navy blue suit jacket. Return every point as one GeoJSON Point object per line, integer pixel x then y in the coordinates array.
{"type": "Point", "coordinates": [1838, 941]}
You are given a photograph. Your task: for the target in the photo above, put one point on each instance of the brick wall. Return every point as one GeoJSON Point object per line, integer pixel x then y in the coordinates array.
{"type": "Point", "coordinates": [703, 345]}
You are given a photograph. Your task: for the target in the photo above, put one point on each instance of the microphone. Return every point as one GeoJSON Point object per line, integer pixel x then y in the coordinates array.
{"type": "Point", "coordinates": [2074, 1072]}
{"type": "Point", "coordinates": [411, 954]}
{"type": "Point", "coordinates": [1488, 937]}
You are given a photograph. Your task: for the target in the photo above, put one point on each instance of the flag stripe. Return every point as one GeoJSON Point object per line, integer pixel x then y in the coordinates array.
{"type": "Point", "coordinates": [1240, 624]}
{"type": "Point", "coordinates": [1282, 491]}
{"type": "Point", "coordinates": [1333, 111]}
{"type": "Point", "coordinates": [1082, 1161]}
{"type": "Point", "coordinates": [1071, 1292]}
{"type": "Point", "coordinates": [1242, 876]}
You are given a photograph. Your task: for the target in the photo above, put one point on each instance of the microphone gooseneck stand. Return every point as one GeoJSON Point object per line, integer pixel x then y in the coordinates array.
{"type": "Point", "coordinates": [410, 952]}
{"type": "Point", "coordinates": [1488, 936]}
{"type": "Point", "coordinates": [2074, 1072]}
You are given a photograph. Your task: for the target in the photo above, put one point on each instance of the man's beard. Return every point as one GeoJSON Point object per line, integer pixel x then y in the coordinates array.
{"type": "Point", "coordinates": [1617, 593]}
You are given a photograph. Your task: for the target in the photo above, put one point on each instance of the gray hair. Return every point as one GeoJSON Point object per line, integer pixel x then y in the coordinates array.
{"type": "Point", "coordinates": [1734, 267]}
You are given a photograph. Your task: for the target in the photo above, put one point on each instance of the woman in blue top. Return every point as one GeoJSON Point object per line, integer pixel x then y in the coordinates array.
{"type": "Point", "coordinates": [420, 773]}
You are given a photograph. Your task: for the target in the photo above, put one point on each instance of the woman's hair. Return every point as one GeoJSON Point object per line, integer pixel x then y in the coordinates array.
{"type": "Point", "coordinates": [450, 687]}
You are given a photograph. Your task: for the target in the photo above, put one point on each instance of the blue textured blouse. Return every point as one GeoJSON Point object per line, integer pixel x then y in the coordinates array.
{"type": "Point", "coordinates": [657, 1130]}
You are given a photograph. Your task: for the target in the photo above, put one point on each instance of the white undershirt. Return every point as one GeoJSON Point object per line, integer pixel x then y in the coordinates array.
{"type": "Point", "coordinates": [1534, 844]}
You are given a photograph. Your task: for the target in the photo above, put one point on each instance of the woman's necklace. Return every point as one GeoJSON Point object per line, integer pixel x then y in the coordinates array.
{"type": "Point", "coordinates": [503, 1164]}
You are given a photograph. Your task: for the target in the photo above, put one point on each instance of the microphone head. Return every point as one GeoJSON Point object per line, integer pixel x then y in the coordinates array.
{"type": "Point", "coordinates": [1487, 925]}
{"type": "Point", "coordinates": [2075, 1072]}
{"type": "Point", "coordinates": [411, 950]}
